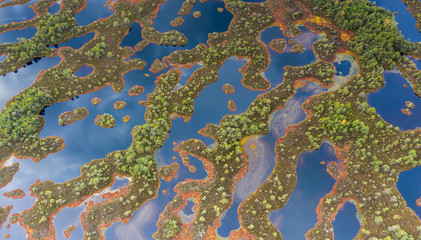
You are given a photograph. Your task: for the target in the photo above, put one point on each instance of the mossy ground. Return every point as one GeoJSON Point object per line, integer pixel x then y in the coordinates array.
{"type": "Point", "coordinates": [372, 151]}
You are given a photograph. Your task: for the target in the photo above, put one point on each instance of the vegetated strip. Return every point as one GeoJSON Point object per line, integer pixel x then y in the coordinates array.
{"type": "Point", "coordinates": [73, 116]}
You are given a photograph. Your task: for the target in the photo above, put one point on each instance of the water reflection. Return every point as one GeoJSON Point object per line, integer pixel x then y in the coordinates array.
{"type": "Point", "coordinates": [342, 67]}
{"type": "Point", "coordinates": [78, 42]}
{"type": "Point", "coordinates": [93, 11]}
{"type": "Point", "coordinates": [313, 182]}
{"type": "Point", "coordinates": [262, 157]}
{"type": "Point", "coordinates": [408, 185]}
{"type": "Point", "coordinates": [390, 99]}
{"type": "Point", "coordinates": [16, 35]}
{"type": "Point", "coordinates": [346, 225]}
{"type": "Point", "coordinates": [53, 9]}
{"type": "Point", "coordinates": [188, 213]}
{"type": "Point", "coordinates": [195, 29]}
{"type": "Point", "coordinates": [406, 22]}
{"type": "Point", "coordinates": [133, 37]}
{"type": "Point", "coordinates": [16, 13]}
{"type": "Point", "coordinates": [278, 60]}
{"type": "Point", "coordinates": [13, 83]}
{"type": "Point", "coordinates": [86, 141]}
{"type": "Point", "coordinates": [84, 71]}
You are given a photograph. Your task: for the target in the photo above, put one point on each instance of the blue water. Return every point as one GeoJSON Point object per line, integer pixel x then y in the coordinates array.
{"type": "Point", "coordinates": [78, 42]}
{"type": "Point", "coordinates": [16, 35]}
{"type": "Point", "coordinates": [261, 167]}
{"type": "Point", "coordinates": [10, 85]}
{"type": "Point", "coordinates": [16, 13]}
{"type": "Point", "coordinates": [195, 29]}
{"type": "Point", "coordinates": [406, 22]}
{"type": "Point", "coordinates": [93, 11]}
{"type": "Point", "coordinates": [65, 164]}
{"type": "Point", "coordinates": [133, 37]}
{"type": "Point", "coordinates": [278, 60]}
{"type": "Point", "coordinates": [293, 109]}
{"type": "Point", "coordinates": [119, 183]}
{"type": "Point", "coordinates": [85, 133]}
{"type": "Point", "coordinates": [84, 71]}
{"type": "Point", "coordinates": [346, 225]}
{"type": "Point", "coordinates": [67, 217]}
{"type": "Point", "coordinates": [342, 67]}
{"type": "Point", "coordinates": [188, 209]}
{"type": "Point", "coordinates": [299, 216]}
{"type": "Point", "coordinates": [53, 9]}
{"type": "Point", "coordinates": [408, 185]}
{"type": "Point", "coordinates": [390, 99]}
{"type": "Point", "coordinates": [205, 112]}
{"type": "Point", "coordinates": [13, 83]}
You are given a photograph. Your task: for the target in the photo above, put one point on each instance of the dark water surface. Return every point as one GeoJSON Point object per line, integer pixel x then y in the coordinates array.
{"type": "Point", "coordinates": [262, 160]}
{"type": "Point", "coordinates": [86, 141]}
{"type": "Point", "coordinates": [16, 13]}
{"type": "Point", "coordinates": [406, 22]}
{"type": "Point", "coordinates": [342, 67]}
{"type": "Point", "coordinates": [390, 99]}
{"type": "Point", "coordinates": [93, 11]}
{"type": "Point", "coordinates": [410, 188]}
{"type": "Point", "coordinates": [313, 182]}
{"type": "Point", "coordinates": [346, 225]}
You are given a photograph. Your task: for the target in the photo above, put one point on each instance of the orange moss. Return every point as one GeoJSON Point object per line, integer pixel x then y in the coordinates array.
{"type": "Point", "coordinates": [228, 89]}
{"type": "Point", "coordinates": [232, 106]}
{"type": "Point", "coordinates": [126, 118]}
{"type": "Point", "coordinates": [119, 105]}
{"type": "Point", "coordinates": [345, 37]}
{"type": "Point", "coordinates": [157, 66]}
{"type": "Point", "coordinates": [136, 90]}
{"type": "Point", "coordinates": [240, 234]}
{"type": "Point", "coordinates": [96, 100]}
{"type": "Point", "coordinates": [69, 231]}
{"type": "Point", "coordinates": [197, 14]}
{"type": "Point", "coordinates": [406, 111]}
{"type": "Point", "coordinates": [15, 194]}
{"type": "Point", "coordinates": [14, 218]}
{"type": "Point", "coordinates": [192, 168]}
{"type": "Point", "coordinates": [4, 213]}
{"type": "Point", "coordinates": [168, 172]}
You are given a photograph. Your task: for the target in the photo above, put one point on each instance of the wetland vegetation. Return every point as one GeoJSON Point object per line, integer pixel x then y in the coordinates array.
{"type": "Point", "coordinates": [278, 45]}
{"type": "Point", "coordinates": [119, 105]}
{"type": "Point", "coordinates": [70, 117]}
{"type": "Point", "coordinates": [371, 151]}
{"type": "Point", "coordinates": [105, 120]}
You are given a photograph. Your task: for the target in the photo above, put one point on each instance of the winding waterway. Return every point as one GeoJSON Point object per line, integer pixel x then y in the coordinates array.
{"type": "Point", "coordinates": [86, 141]}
